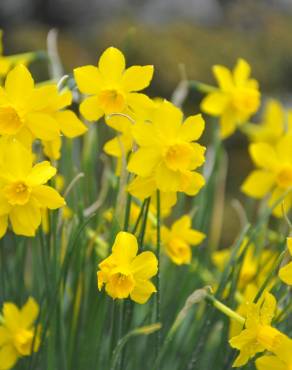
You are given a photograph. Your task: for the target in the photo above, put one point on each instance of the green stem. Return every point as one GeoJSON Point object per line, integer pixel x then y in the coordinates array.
{"type": "Point", "coordinates": [201, 87]}
{"type": "Point", "coordinates": [225, 309]}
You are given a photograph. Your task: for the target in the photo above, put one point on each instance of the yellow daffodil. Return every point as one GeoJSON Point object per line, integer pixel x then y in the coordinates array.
{"type": "Point", "coordinates": [285, 272]}
{"type": "Point", "coordinates": [258, 334]}
{"type": "Point", "coordinates": [253, 269]}
{"type": "Point", "coordinates": [236, 99]}
{"type": "Point", "coordinates": [167, 155]}
{"type": "Point", "coordinates": [28, 112]}
{"type": "Point", "coordinates": [178, 240]}
{"type": "Point", "coordinates": [274, 173]}
{"type": "Point", "coordinates": [273, 125]}
{"type": "Point", "coordinates": [111, 87]}
{"type": "Point", "coordinates": [125, 273]}
{"type": "Point", "coordinates": [282, 360]}
{"type": "Point", "coordinates": [17, 333]}
{"type": "Point", "coordinates": [23, 192]}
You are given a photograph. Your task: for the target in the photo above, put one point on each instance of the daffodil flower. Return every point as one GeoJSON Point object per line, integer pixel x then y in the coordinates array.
{"type": "Point", "coordinates": [258, 334]}
{"type": "Point", "coordinates": [282, 360]}
{"type": "Point", "coordinates": [236, 99]}
{"type": "Point", "coordinates": [28, 112]}
{"type": "Point", "coordinates": [167, 155]}
{"type": "Point", "coordinates": [274, 173]}
{"type": "Point", "coordinates": [178, 240]}
{"type": "Point", "coordinates": [126, 274]}
{"type": "Point", "coordinates": [111, 88]}
{"type": "Point", "coordinates": [17, 333]}
{"type": "Point", "coordinates": [23, 192]}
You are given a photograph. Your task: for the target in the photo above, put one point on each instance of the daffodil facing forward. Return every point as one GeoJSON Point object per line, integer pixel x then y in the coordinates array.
{"type": "Point", "coordinates": [236, 99]}
{"type": "Point", "coordinates": [126, 274]}
{"type": "Point", "coordinates": [28, 112]}
{"type": "Point", "coordinates": [111, 88]}
{"type": "Point", "coordinates": [178, 240]}
{"type": "Point", "coordinates": [23, 193]}
{"type": "Point", "coordinates": [273, 176]}
{"type": "Point", "coordinates": [18, 336]}
{"type": "Point", "coordinates": [167, 156]}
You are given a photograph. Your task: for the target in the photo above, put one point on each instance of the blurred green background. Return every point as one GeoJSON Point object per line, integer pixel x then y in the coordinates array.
{"type": "Point", "coordinates": [168, 34]}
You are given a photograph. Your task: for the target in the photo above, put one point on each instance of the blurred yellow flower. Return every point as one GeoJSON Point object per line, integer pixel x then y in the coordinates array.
{"type": "Point", "coordinates": [282, 360]}
{"type": "Point", "coordinates": [254, 267]}
{"type": "Point", "coordinates": [22, 190]}
{"type": "Point", "coordinates": [125, 273]}
{"type": "Point", "coordinates": [17, 333]}
{"type": "Point", "coordinates": [178, 240]}
{"type": "Point", "coordinates": [167, 156]}
{"type": "Point", "coordinates": [285, 272]}
{"type": "Point", "coordinates": [111, 87]}
{"type": "Point", "coordinates": [237, 98]}
{"type": "Point", "coordinates": [273, 125]}
{"type": "Point", "coordinates": [274, 173]}
{"type": "Point", "coordinates": [258, 334]}
{"type": "Point", "coordinates": [28, 112]}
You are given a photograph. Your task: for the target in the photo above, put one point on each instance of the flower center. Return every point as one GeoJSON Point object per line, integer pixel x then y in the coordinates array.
{"type": "Point", "coordinates": [10, 121]}
{"type": "Point", "coordinates": [284, 177]}
{"type": "Point", "coordinates": [23, 341]}
{"type": "Point", "coordinates": [120, 285]}
{"type": "Point", "coordinates": [268, 337]}
{"type": "Point", "coordinates": [178, 156]}
{"type": "Point", "coordinates": [17, 193]}
{"type": "Point", "coordinates": [246, 101]}
{"type": "Point", "coordinates": [179, 251]}
{"type": "Point", "coordinates": [111, 100]}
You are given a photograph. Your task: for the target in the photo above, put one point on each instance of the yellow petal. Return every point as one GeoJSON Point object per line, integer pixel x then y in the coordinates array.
{"type": "Point", "coordinates": [125, 247]}
{"type": "Point", "coordinates": [90, 109]}
{"type": "Point", "coordinates": [88, 79]}
{"type": "Point", "coordinates": [17, 160]}
{"type": "Point", "coordinates": [41, 173]}
{"type": "Point", "coordinates": [11, 316]}
{"type": "Point", "coordinates": [4, 205]}
{"type": "Point", "coordinates": [142, 188]}
{"type": "Point", "coordinates": [167, 120]}
{"type": "Point", "coordinates": [52, 149]}
{"type": "Point", "coordinates": [70, 125]}
{"type": "Point", "coordinates": [29, 313]}
{"type": "Point", "coordinates": [270, 363]}
{"type": "Point", "coordinates": [48, 197]}
{"type": "Point", "coordinates": [284, 149]}
{"type": "Point", "coordinates": [112, 64]}
{"type": "Point", "coordinates": [3, 225]}
{"type": "Point", "coordinates": [141, 104]}
{"type": "Point", "coordinates": [166, 179]}
{"type": "Point", "coordinates": [137, 77]}
{"type": "Point", "coordinates": [285, 273]}
{"type": "Point", "coordinates": [268, 308]}
{"type": "Point", "coordinates": [286, 202]}
{"type": "Point", "coordinates": [144, 134]}
{"type": "Point", "coordinates": [119, 146]}
{"type": "Point", "coordinates": [241, 72]}
{"type": "Point", "coordinates": [223, 77]}
{"type": "Point", "coordinates": [19, 84]}
{"type": "Point", "coordinates": [192, 128]}
{"type": "Point", "coordinates": [4, 335]}
{"type": "Point", "coordinates": [143, 161]}
{"type": "Point", "coordinates": [144, 266]}
{"type": "Point", "coordinates": [43, 126]}
{"type": "Point", "coordinates": [263, 155]}
{"type": "Point", "coordinates": [8, 357]}
{"type": "Point", "coordinates": [214, 103]}
{"type": "Point", "coordinates": [25, 219]}
{"type": "Point", "coordinates": [191, 182]}
{"type": "Point", "coordinates": [227, 124]}
{"type": "Point", "coordinates": [258, 184]}
{"type": "Point", "coordinates": [142, 291]}
{"type": "Point", "coordinates": [289, 244]}
{"type": "Point", "coordinates": [43, 97]}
